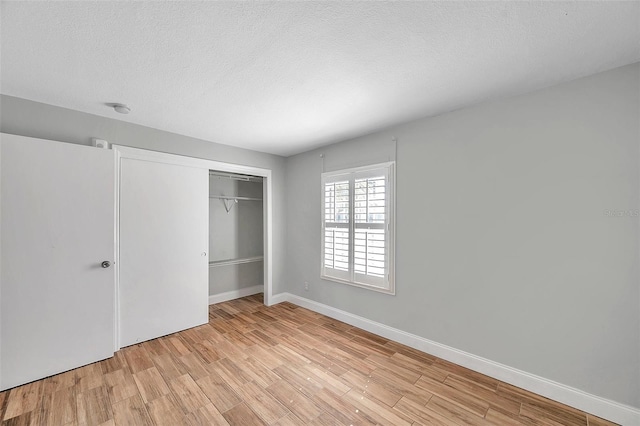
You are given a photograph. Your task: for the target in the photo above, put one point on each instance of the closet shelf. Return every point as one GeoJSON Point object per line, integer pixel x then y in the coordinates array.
{"type": "Point", "coordinates": [236, 261]}
{"type": "Point", "coordinates": [225, 197]}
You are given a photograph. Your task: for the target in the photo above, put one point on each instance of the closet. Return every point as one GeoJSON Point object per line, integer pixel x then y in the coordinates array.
{"type": "Point", "coordinates": [106, 248]}
{"type": "Point", "coordinates": [236, 229]}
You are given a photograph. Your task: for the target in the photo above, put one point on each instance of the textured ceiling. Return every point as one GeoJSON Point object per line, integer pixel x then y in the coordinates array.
{"type": "Point", "coordinates": [285, 77]}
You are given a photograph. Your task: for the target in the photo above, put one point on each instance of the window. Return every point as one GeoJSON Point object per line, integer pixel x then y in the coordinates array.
{"type": "Point", "coordinates": [358, 227]}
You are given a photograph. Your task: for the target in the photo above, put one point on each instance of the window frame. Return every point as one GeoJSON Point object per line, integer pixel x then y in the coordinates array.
{"type": "Point", "coordinates": [349, 276]}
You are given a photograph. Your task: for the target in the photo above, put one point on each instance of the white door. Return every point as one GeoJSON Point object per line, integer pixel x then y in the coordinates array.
{"type": "Point", "coordinates": [163, 284]}
{"type": "Point", "coordinates": [57, 227]}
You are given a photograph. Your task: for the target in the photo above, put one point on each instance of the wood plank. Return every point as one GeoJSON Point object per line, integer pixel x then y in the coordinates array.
{"type": "Point", "coordinates": [341, 409]}
{"type": "Point", "coordinates": [327, 379]}
{"type": "Point", "coordinates": [344, 359]}
{"type": "Point", "coordinates": [410, 352]}
{"type": "Point", "coordinates": [367, 335]}
{"type": "Point", "coordinates": [155, 347]}
{"type": "Point", "coordinates": [168, 366]}
{"type": "Point", "coordinates": [89, 377]}
{"type": "Point", "coordinates": [188, 394]}
{"type": "Point", "coordinates": [372, 347]}
{"type": "Point", "coordinates": [193, 365]}
{"type": "Point", "coordinates": [325, 419]}
{"type": "Point", "coordinates": [25, 419]}
{"type": "Point", "coordinates": [176, 346]}
{"type": "Point", "coordinates": [375, 389]}
{"type": "Point", "coordinates": [189, 337]}
{"type": "Point", "coordinates": [206, 416]}
{"type": "Point", "coordinates": [137, 358]}
{"type": "Point", "coordinates": [59, 382]}
{"type": "Point", "coordinates": [383, 414]}
{"type": "Point", "coordinates": [397, 370]}
{"type": "Point", "coordinates": [93, 406]}
{"type": "Point", "coordinates": [241, 415]}
{"type": "Point", "coordinates": [59, 408]}
{"type": "Point", "coordinates": [537, 418]}
{"type": "Point", "coordinates": [288, 355]}
{"type": "Point", "coordinates": [115, 363]}
{"type": "Point", "coordinates": [397, 384]}
{"type": "Point", "coordinates": [266, 357]}
{"type": "Point", "coordinates": [420, 366]}
{"type": "Point", "coordinates": [351, 349]}
{"type": "Point", "coordinates": [206, 332]}
{"type": "Point", "coordinates": [508, 419]}
{"type": "Point", "coordinates": [262, 403]}
{"type": "Point", "coordinates": [541, 403]}
{"type": "Point", "coordinates": [464, 400]}
{"type": "Point", "coordinates": [218, 392]}
{"type": "Point", "coordinates": [23, 399]}
{"type": "Point", "coordinates": [229, 350]}
{"type": "Point", "coordinates": [259, 372]}
{"type": "Point", "coordinates": [472, 388]}
{"type": "Point", "coordinates": [231, 372]}
{"type": "Point", "coordinates": [296, 402]}
{"type": "Point", "coordinates": [325, 363]}
{"type": "Point", "coordinates": [421, 414]}
{"type": "Point", "coordinates": [290, 420]}
{"type": "Point", "coordinates": [207, 351]}
{"type": "Point", "coordinates": [150, 384]}
{"type": "Point", "coordinates": [165, 411]}
{"type": "Point", "coordinates": [302, 382]}
{"type": "Point", "coordinates": [558, 415]}
{"type": "Point", "coordinates": [120, 385]}
{"type": "Point", "coordinates": [479, 378]}
{"type": "Point", "coordinates": [455, 412]}
{"type": "Point", "coordinates": [597, 421]}
{"type": "Point", "coordinates": [131, 412]}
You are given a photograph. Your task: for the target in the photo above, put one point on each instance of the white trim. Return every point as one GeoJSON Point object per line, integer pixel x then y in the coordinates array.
{"type": "Point", "coordinates": [598, 406]}
{"type": "Point", "coordinates": [161, 157]}
{"type": "Point", "coordinates": [235, 294]}
{"type": "Point", "coordinates": [267, 208]}
{"type": "Point", "coordinates": [350, 277]}
{"type": "Point", "coordinates": [116, 263]}
{"type": "Point", "coordinates": [365, 168]}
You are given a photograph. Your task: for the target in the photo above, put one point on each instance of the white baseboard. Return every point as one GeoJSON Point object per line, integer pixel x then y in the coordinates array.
{"type": "Point", "coordinates": [235, 294]}
{"type": "Point", "coordinates": [601, 407]}
{"type": "Point", "coordinates": [283, 297]}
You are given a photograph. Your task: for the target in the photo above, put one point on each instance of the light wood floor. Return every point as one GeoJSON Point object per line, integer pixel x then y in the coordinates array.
{"type": "Point", "coordinates": [283, 365]}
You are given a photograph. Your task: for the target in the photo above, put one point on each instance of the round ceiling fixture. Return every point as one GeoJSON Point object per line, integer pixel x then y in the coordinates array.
{"type": "Point", "coordinates": [121, 108]}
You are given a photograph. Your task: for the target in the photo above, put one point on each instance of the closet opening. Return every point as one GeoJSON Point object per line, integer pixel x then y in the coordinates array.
{"type": "Point", "coordinates": [237, 223]}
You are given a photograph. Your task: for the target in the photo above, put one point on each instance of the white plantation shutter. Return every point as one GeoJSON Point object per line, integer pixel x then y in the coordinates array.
{"type": "Point", "coordinates": [369, 229]}
{"type": "Point", "coordinates": [357, 226]}
{"type": "Point", "coordinates": [336, 228]}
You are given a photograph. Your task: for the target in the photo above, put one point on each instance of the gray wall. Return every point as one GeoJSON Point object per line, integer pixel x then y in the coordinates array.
{"type": "Point", "coordinates": [506, 247]}
{"type": "Point", "coordinates": [27, 118]}
{"type": "Point", "coordinates": [235, 234]}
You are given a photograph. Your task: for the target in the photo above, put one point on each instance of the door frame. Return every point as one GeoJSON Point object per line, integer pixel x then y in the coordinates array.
{"type": "Point", "coordinates": [182, 160]}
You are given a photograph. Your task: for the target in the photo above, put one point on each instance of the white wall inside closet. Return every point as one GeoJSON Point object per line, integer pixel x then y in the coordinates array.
{"type": "Point", "coordinates": [236, 242]}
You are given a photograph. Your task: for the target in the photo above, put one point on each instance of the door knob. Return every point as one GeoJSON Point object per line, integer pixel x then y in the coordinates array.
{"type": "Point", "coordinates": [106, 264]}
